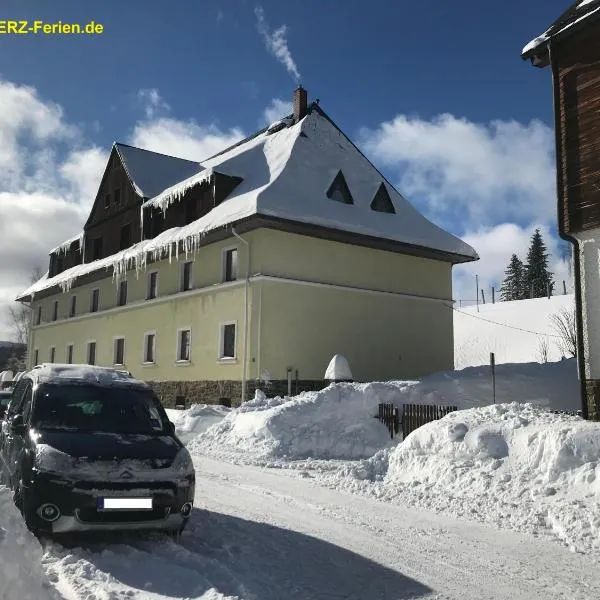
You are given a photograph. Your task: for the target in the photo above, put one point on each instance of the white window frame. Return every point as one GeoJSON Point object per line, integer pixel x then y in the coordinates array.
{"type": "Point", "coordinates": [181, 271]}
{"type": "Point", "coordinates": [115, 339]}
{"type": "Point", "coordinates": [73, 313]}
{"type": "Point", "coordinates": [221, 350]}
{"type": "Point", "coordinates": [149, 278]}
{"type": "Point", "coordinates": [55, 307]}
{"type": "Point", "coordinates": [178, 345]}
{"type": "Point", "coordinates": [69, 345]}
{"type": "Point", "coordinates": [92, 300]}
{"type": "Point", "coordinates": [118, 298]}
{"type": "Point", "coordinates": [36, 356]}
{"type": "Point", "coordinates": [224, 252]}
{"type": "Point", "coordinates": [144, 361]}
{"type": "Point", "coordinates": [39, 314]}
{"type": "Point", "coordinates": [87, 352]}
{"type": "Point", "coordinates": [52, 354]}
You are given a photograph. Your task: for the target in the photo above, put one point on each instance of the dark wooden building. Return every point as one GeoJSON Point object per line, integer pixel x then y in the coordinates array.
{"type": "Point", "coordinates": [571, 48]}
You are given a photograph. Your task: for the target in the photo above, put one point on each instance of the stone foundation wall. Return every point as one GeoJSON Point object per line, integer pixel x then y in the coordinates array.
{"type": "Point", "coordinates": [222, 392]}
{"type": "Point", "coordinates": [593, 399]}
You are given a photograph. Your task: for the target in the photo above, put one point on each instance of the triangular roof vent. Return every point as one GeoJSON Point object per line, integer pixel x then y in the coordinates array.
{"type": "Point", "coordinates": [339, 191]}
{"type": "Point", "coordinates": [382, 201]}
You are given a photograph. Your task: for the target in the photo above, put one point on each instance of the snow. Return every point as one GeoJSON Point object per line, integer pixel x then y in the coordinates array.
{"type": "Point", "coordinates": [285, 175]}
{"type": "Point", "coordinates": [6, 376]}
{"type": "Point", "coordinates": [338, 369]}
{"type": "Point", "coordinates": [197, 419]}
{"type": "Point", "coordinates": [551, 31]}
{"type": "Point", "coordinates": [512, 330]}
{"type": "Point", "coordinates": [337, 422]}
{"type": "Point", "coordinates": [91, 373]}
{"type": "Point", "coordinates": [21, 574]}
{"type": "Point", "coordinates": [151, 172]}
{"type": "Point", "coordinates": [64, 247]}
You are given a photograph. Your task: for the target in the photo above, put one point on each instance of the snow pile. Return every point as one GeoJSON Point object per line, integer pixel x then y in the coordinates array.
{"type": "Point", "coordinates": [552, 385]}
{"type": "Point", "coordinates": [510, 462]}
{"type": "Point", "coordinates": [197, 419]}
{"type": "Point", "coordinates": [21, 575]}
{"type": "Point", "coordinates": [514, 331]}
{"type": "Point", "coordinates": [335, 423]}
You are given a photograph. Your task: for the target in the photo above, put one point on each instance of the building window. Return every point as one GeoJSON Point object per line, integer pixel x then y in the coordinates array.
{"type": "Point", "coordinates": [38, 317]}
{"type": "Point", "coordinates": [152, 285]}
{"type": "Point", "coordinates": [184, 337]}
{"type": "Point", "coordinates": [117, 194]}
{"type": "Point", "coordinates": [55, 310]}
{"type": "Point", "coordinates": [230, 266]}
{"type": "Point", "coordinates": [186, 276]}
{"type": "Point", "coordinates": [91, 353]}
{"type": "Point", "coordinates": [190, 210]}
{"type": "Point", "coordinates": [52, 354]}
{"type": "Point", "coordinates": [59, 264]}
{"type": "Point", "coordinates": [149, 347]}
{"type": "Point", "coordinates": [122, 294]}
{"type": "Point", "coordinates": [382, 201]}
{"type": "Point", "coordinates": [95, 300]}
{"type": "Point", "coordinates": [119, 351]}
{"type": "Point", "coordinates": [339, 191]}
{"type": "Point", "coordinates": [73, 307]}
{"type": "Point", "coordinates": [70, 354]}
{"type": "Point", "coordinates": [227, 344]}
{"type": "Point", "coordinates": [106, 200]}
{"type": "Point", "coordinates": [97, 249]}
{"type": "Point", "coordinates": [36, 357]}
{"type": "Point", "coordinates": [125, 239]}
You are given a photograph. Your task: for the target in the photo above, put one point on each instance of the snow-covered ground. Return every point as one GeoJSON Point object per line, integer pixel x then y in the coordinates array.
{"type": "Point", "coordinates": [514, 331]}
{"type": "Point", "coordinates": [309, 498]}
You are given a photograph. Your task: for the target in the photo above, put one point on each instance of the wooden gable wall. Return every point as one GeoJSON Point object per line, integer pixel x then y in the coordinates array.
{"type": "Point", "coordinates": [114, 221]}
{"type": "Point", "coordinates": [577, 81]}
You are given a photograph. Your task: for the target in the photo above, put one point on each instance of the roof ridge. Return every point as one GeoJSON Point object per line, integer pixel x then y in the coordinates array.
{"type": "Point", "coordinates": [116, 144]}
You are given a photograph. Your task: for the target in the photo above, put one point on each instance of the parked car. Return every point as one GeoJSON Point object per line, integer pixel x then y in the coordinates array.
{"type": "Point", "coordinates": [5, 396]}
{"type": "Point", "coordinates": [90, 448]}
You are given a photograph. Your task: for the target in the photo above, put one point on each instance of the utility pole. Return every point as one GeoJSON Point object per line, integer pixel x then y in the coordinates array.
{"type": "Point", "coordinates": [477, 291]}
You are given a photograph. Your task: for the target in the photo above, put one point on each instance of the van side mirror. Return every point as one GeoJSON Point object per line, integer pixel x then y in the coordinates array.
{"type": "Point", "coordinates": [17, 425]}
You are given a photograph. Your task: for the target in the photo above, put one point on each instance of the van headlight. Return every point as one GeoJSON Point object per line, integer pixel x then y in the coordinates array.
{"type": "Point", "coordinates": [183, 464]}
{"type": "Point", "coordinates": [51, 460]}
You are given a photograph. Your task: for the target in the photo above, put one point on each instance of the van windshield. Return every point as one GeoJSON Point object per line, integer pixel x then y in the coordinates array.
{"type": "Point", "coordinates": [81, 407]}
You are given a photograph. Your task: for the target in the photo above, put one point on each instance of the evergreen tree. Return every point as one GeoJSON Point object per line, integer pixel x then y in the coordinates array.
{"type": "Point", "coordinates": [512, 286]}
{"type": "Point", "coordinates": [537, 279]}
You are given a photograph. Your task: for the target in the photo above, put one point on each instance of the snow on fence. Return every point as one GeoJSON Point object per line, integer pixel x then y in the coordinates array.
{"type": "Point", "coordinates": [413, 416]}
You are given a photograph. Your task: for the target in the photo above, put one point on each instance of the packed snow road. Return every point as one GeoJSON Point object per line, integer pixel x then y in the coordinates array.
{"type": "Point", "coordinates": [261, 534]}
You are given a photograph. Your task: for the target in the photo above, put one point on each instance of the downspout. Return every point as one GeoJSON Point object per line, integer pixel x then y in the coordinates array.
{"type": "Point", "coordinates": [574, 241]}
{"type": "Point", "coordinates": [246, 286]}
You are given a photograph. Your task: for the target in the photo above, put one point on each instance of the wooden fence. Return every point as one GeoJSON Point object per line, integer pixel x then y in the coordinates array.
{"type": "Point", "coordinates": [413, 416]}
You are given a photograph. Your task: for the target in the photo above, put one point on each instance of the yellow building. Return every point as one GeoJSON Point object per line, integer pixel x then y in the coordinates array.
{"type": "Point", "coordinates": [253, 267]}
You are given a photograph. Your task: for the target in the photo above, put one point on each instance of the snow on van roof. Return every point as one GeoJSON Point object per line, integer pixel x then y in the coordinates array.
{"type": "Point", "coordinates": [285, 174]}
{"type": "Point", "coordinates": [84, 373]}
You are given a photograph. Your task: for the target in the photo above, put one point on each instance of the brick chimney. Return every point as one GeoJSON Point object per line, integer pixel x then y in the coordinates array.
{"type": "Point", "coordinates": [300, 103]}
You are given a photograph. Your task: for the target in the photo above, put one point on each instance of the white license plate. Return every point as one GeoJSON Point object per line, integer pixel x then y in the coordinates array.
{"type": "Point", "coordinates": [124, 503]}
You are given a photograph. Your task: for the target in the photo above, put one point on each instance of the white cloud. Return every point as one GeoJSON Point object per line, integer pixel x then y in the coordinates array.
{"type": "Point", "coordinates": [276, 43]}
{"type": "Point", "coordinates": [275, 111]}
{"type": "Point", "coordinates": [185, 139]}
{"type": "Point", "coordinates": [484, 174]}
{"type": "Point", "coordinates": [152, 102]}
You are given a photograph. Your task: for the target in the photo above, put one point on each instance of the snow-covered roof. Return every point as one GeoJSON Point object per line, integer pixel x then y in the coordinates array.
{"type": "Point", "coordinates": [151, 172]}
{"type": "Point", "coordinates": [64, 246]}
{"type": "Point", "coordinates": [574, 14]}
{"type": "Point", "coordinates": [285, 174]}
{"type": "Point", "coordinates": [84, 373]}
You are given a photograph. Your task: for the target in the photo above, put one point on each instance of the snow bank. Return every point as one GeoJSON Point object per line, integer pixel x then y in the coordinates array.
{"type": "Point", "coordinates": [21, 575]}
{"type": "Point", "coordinates": [197, 419]}
{"type": "Point", "coordinates": [514, 331]}
{"type": "Point", "coordinates": [334, 423]}
{"type": "Point", "coordinates": [554, 385]}
{"type": "Point", "coordinates": [513, 463]}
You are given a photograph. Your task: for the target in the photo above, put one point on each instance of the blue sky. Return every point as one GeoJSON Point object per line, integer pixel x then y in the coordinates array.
{"type": "Point", "coordinates": [186, 77]}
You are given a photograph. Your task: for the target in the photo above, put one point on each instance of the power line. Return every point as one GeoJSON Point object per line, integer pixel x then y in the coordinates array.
{"type": "Point", "coordinates": [503, 324]}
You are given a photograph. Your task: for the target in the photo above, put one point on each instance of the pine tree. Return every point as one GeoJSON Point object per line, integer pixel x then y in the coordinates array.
{"type": "Point", "coordinates": [512, 286]}
{"type": "Point", "coordinates": [537, 278]}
